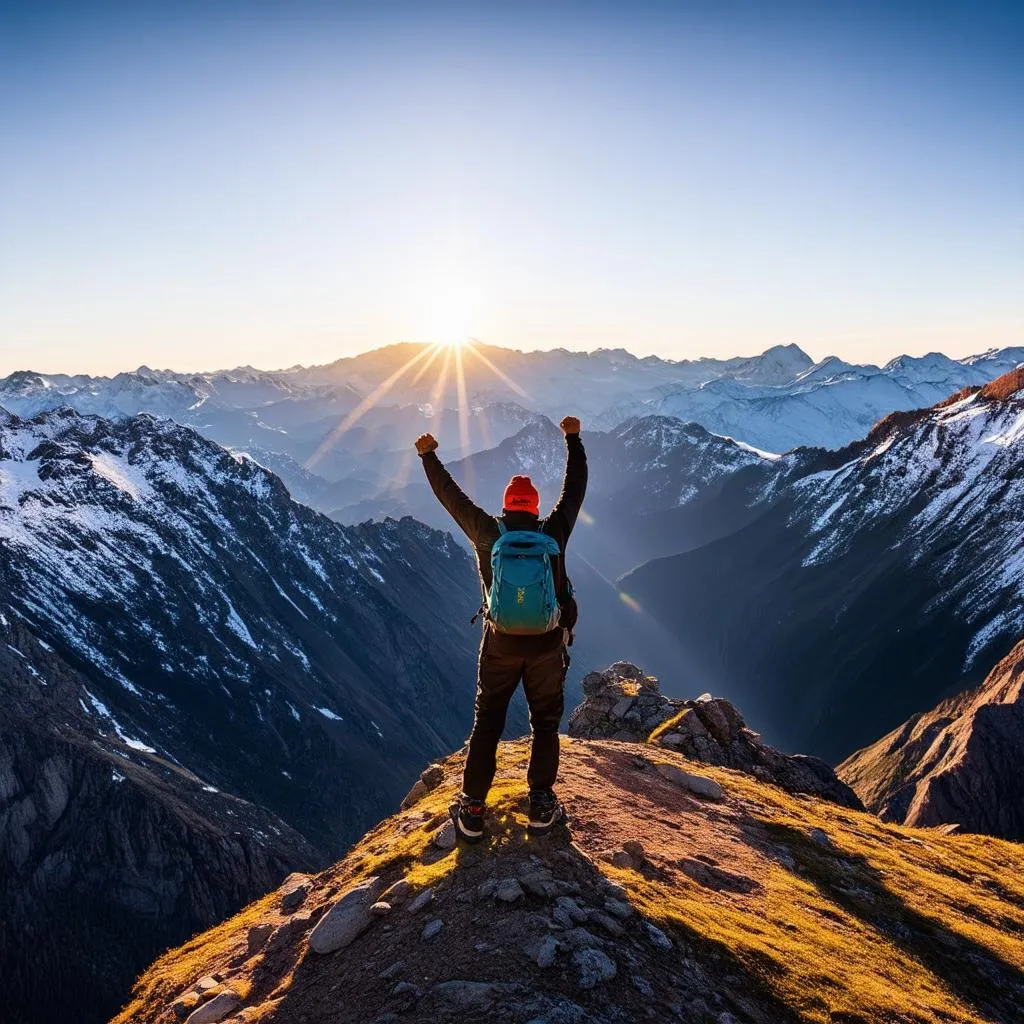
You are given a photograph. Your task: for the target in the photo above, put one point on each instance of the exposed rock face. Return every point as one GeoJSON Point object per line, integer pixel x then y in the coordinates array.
{"type": "Point", "coordinates": [622, 703]}
{"type": "Point", "coordinates": [742, 909]}
{"type": "Point", "coordinates": [108, 854]}
{"type": "Point", "coordinates": [960, 763]}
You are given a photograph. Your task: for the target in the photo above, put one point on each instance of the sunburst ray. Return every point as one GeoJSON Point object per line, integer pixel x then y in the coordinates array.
{"type": "Point", "coordinates": [364, 406]}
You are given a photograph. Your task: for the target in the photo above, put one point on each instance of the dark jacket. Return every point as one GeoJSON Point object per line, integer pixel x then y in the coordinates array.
{"type": "Point", "coordinates": [482, 530]}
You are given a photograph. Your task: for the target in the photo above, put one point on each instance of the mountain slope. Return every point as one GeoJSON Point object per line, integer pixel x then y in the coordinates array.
{"type": "Point", "coordinates": [650, 481]}
{"type": "Point", "coordinates": [272, 652]}
{"type": "Point", "coordinates": [828, 405]}
{"type": "Point", "coordinates": [759, 908]}
{"type": "Point", "coordinates": [957, 764]}
{"type": "Point", "coordinates": [108, 853]}
{"type": "Point", "coordinates": [900, 556]}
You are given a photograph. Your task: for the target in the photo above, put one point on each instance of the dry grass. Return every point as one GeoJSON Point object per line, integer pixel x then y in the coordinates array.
{"type": "Point", "coordinates": [874, 927]}
{"type": "Point", "coordinates": [887, 924]}
{"type": "Point", "coordinates": [668, 725]}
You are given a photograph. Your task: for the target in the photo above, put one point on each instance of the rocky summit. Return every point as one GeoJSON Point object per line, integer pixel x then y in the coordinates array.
{"type": "Point", "coordinates": [678, 891]}
{"type": "Point", "coordinates": [956, 765]}
{"type": "Point", "coordinates": [622, 703]}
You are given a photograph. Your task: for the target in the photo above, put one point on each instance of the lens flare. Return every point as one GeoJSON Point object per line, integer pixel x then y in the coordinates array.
{"type": "Point", "coordinates": [364, 407]}
{"type": "Point", "coordinates": [452, 349]}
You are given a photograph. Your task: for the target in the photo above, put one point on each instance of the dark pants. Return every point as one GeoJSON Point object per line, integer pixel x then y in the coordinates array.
{"type": "Point", "coordinates": [543, 678]}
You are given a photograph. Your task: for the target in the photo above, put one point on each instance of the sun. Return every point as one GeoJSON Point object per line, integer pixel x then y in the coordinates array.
{"type": "Point", "coordinates": [451, 310]}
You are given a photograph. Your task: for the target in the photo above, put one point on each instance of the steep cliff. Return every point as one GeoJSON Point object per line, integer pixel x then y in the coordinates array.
{"type": "Point", "coordinates": [959, 763]}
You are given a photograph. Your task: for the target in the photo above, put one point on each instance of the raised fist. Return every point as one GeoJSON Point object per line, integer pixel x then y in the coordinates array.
{"type": "Point", "coordinates": [570, 425]}
{"type": "Point", "coordinates": [426, 443]}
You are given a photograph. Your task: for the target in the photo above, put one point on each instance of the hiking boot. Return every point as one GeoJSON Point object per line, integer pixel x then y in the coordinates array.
{"type": "Point", "coordinates": [545, 811]}
{"type": "Point", "coordinates": [468, 815]}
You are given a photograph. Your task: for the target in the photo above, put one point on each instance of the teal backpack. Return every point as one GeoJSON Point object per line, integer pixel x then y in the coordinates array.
{"type": "Point", "coordinates": [522, 598]}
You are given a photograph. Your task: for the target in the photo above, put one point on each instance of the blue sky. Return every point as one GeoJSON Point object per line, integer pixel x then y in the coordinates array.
{"type": "Point", "coordinates": [197, 185]}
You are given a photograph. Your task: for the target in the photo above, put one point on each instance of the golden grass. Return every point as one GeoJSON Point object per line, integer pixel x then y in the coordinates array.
{"type": "Point", "coordinates": [885, 926]}
{"type": "Point", "coordinates": [667, 726]}
{"type": "Point", "coordinates": [821, 942]}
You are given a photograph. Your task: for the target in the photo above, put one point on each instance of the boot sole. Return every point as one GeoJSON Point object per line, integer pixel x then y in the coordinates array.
{"type": "Point", "coordinates": [542, 830]}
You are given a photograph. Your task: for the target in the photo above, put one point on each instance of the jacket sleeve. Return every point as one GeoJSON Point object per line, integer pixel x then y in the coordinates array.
{"type": "Point", "coordinates": [574, 487]}
{"type": "Point", "coordinates": [472, 519]}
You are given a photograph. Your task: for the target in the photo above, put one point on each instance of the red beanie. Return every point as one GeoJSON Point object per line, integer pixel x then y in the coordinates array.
{"type": "Point", "coordinates": [522, 496]}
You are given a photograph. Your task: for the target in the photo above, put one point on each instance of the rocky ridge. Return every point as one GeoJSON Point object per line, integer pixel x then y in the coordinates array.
{"type": "Point", "coordinates": [749, 906]}
{"type": "Point", "coordinates": [958, 765]}
{"type": "Point", "coordinates": [109, 853]}
{"type": "Point", "coordinates": [623, 703]}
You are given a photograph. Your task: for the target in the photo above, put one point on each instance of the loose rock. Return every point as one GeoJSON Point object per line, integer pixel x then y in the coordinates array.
{"type": "Point", "coordinates": [593, 966]}
{"type": "Point", "coordinates": [820, 837]}
{"type": "Point", "coordinates": [445, 836]}
{"type": "Point", "coordinates": [618, 908]}
{"type": "Point", "coordinates": [701, 785]}
{"type": "Point", "coordinates": [658, 938]}
{"type": "Point", "coordinates": [547, 951]}
{"type": "Point", "coordinates": [294, 898]}
{"type": "Point", "coordinates": [347, 919]}
{"type": "Point", "coordinates": [431, 928]}
{"type": "Point", "coordinates": [257, 936]}
{"type": "Point", "coordinates": [508, 891]}
{"type": "Point", "coordinates": [216, 1009]}
{"type": "Point", "coordinates": [397, 893]}
{"type": "Point", "coordinates": [468, 995]}
{"type": "Point", "coordinates": [420, 902]}
{"type": "Point", "coordinates": [381, 908]}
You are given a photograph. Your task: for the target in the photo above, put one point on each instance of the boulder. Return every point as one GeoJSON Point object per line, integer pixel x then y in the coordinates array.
{"type": "Point", "coordinates": [216, 1009]}
{"type": "Point", "coordinates": [347, 919]}
{"type": "Point", "coordinates": [701, 785]}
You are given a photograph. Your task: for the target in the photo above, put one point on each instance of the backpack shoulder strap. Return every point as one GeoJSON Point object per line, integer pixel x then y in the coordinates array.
{"type": "Point", "coordinates": [502, 528]}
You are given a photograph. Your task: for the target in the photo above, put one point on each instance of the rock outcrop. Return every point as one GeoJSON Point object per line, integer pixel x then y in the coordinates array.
{"type": "Point", "coordinates": [622, 703]}
{"type": "Point", "coordinates": [959, 764]}
{"type": "Point", "coordinates": [744, 906]}
{"type": "Point", "coordinates": [108, 853]}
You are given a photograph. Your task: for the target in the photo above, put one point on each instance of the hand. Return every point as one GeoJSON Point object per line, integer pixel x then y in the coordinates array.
{"type": "Point", "coordinates": [570, 425]}
{"type": "Point", "coordinates": [426, 443]}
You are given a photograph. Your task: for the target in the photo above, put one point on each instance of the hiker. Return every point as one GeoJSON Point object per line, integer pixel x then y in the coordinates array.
{"type": "Point", "coordinates": [529, 614]}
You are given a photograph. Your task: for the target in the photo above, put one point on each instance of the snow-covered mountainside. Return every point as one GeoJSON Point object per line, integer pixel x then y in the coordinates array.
{"type": "Point", "coordinates": [384, 398]}
{"type": "Point", "coordinates": [265, 648]}
{"type": "Point", "coordinates": [859, 585]}
{"type": "Point", "coordinates": [828, 405]}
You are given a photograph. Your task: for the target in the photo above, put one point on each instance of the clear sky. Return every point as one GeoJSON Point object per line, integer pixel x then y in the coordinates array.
{"type": "Point", "coordinates": [206, 184]}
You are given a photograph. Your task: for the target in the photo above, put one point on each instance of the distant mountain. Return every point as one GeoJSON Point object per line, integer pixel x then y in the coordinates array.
{"type": "Point", "coordinates": [384, 398]}
{"type": "Point", "coordinates": [959, 764]}
{"type": "Point", "coordinates": [828, 405]}
{"type": "Point", "coordinates": [856, 584]}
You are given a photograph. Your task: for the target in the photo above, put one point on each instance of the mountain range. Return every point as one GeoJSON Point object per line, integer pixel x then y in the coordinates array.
{"type": "Point", "coordinates": [205, 685]}
{"type": "Point", "coordinates": [208, 684]}
{"type": "Point", "coordinates": [855, 587]}
{"type": "Point", "coordinates": [339, 434]}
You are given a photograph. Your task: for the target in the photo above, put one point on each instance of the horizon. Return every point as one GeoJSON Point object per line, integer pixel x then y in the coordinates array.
{"type": "Point", "coordinates": [217, 371]}
{"type": "Point", "coordinates": [226, 184]}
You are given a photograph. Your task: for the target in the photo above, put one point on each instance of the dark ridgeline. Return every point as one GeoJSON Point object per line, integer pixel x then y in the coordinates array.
{"type": "Point", "coordinates": [159, 593]}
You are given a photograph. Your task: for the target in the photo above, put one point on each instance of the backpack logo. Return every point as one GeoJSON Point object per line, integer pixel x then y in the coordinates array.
{"type": "Point", "coordinates": [522, 597]}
